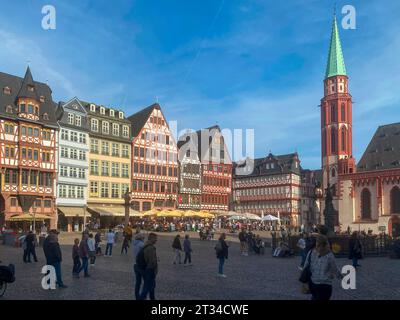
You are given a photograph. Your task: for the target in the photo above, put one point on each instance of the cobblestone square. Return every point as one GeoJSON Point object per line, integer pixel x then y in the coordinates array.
{"type": "Point", "coordinates": [252, 277]}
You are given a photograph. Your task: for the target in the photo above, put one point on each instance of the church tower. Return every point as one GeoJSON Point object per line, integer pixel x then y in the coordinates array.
{"type": "Point", "coordinates": [336, 119]}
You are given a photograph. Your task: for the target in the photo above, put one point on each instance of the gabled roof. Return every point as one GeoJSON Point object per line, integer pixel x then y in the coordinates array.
{"type": "Point", "coordinates": [335, 65]}
{"type": "Point", "coordinates": [285, 163]}
{"type": "Point", "coordinates": [383, 151]}
{"type": "Point", "coordinates": [139, 119]}
{"type": "Point", "coordinates": [18, 86]}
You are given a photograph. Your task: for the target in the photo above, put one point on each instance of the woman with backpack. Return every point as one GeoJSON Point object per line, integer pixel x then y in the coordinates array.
{"type": "Point", "coordinates": [221, 249]}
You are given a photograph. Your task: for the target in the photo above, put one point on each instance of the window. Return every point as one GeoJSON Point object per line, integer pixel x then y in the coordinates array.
{"type": "Point", "coordinates": [10, 152]}
{"type": "Point", "coordinates": [115, 150]}
{"type": "Point", "coordinates": [114, 190]}
{"type": "Point", "coordinates": [79, 192]}
{"type": "Point", "coordinates": [94, 146]}
{"type": "Point", "coordinates": [115, 169]}
{"type": "Point", "coordinates": [115, 129]}
{"type": "Point", "coordinates": [125, 170]}
{"type": "Point", "coordinates": [125, 131]}
{"type": "Point", "coordinates": [112, 113]}
{"type": "Point", "coordinates": [333, 141]}
{"type": "Point", "coordinates": [71, 192]}
{"type": "Point", "coordinates": [94, 188]}
{"type": "Point", "coordinates": [78, 121]}
{"type": "Point", "coordinates": [136, 152]}
{"type": "Point", "coordinates": [105, 168]}
{"type": "Point", "coordinates": [343, 137]}
{"type": "Point", "coordinates": [81, 173]}
{"type": "Point", "coordinates": [46, 135]}
{"type": "Point", "coordinates": [70, 118]}
{"type": "Point", "coordinates": [94, 167]}
{"type": "Point", "coordinates": [22, 108]}
{"type": "Point", "coordinates": [125, 151]}
{"type": "Point", "coordinates": [167, 140]}
{"type": "Point", "coordinates": [124, 188]}
{"type": "Point", "coordinates": [9, 128]}
{"type": "Point", "coordinates": [395, 200]}
{"type": "Point", "coordinates": [63, 171]}
{"type": "Point", "coordinates": [73, 154]}
{"type": "Point", "coordinates": [121, 115]}
{"type": "Point", "coordinates": [33, 177]}
{"type": "Point", "coordinates": [343, 112]}
{"type": "Point", "coordinates": [105, 127]}
{"type": "Point", "coordinates": [105, 148]}
{"type": "Point", "coordinates": [25, 177]}
{"type": "Point", "coordinates": [62, 191]}
{"type": "Point", "coordinates": [64, 134]}
{"type": "Point", "coordinates": [365, 204]}
{"type": "Point", "coordinates": [64, 152]}
{"type": "Point", "coordinates": [9, 109]}
{"type": "Point", "coordinates": [102, 110]}
{"type": "Point", "coordinates": [6, 90]}
{"type": "Point", "coordinates": [31, 109]}
{"type": "Point", "coordinates": [82, 138]}
{"type": "Point", "coordinates": [105, 189]}
{"type": "Point", "coordinates": [94, 125]}
{"type": "Point", "coordinates": [333, 112]}
{"type": "Point", "coordinates": [45, 116]}
{"type": "Point", "coordinates": [73, 172]}
{"type": "Point", "coordinates": [93, 108]}
{"type": "Point", "coordinates": [74, 136]}
{"type": "Point", "coordinates": [141, 152]}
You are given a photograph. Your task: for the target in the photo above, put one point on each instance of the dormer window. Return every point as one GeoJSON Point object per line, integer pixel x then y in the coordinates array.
{"type": "Point", "coordinates": [6, 90]}
{"type": "Point", "coordinates": [93, 108]}
{"type": "Point", "coordinates": [45, 116]}
{"type": "Point", "coordinates": [112, 113]}
{"type": "Point", "coordinates": [102, 110]}
{"type": "Point", "coordinates": [31, 88]}
{"type": "Point", "coordinates": [9, 109]}
{"type": "Point", "coordinates": [121, 115]}
{"type": "Point", "coordinates": [41, 98]}
{"type": "Point", "coordinates": [22, 108]}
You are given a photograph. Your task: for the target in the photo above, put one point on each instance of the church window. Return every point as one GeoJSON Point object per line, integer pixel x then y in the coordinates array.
{"type": "Point", "coordinates": [333, 141]}
{"type": "Point", "coordinates": [365, 204]}
{"type": "Point", "coordinates": [395, 200]}
{"type": "Point", "coordinates": [344, 136]}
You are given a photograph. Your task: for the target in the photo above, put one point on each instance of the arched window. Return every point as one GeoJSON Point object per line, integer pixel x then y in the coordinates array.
{"type": "Point", "coordinates": [333, 140]}
{"type": "Point", "coordinates": [343, 112]}
{"type": "Point", "coordinates": [333, 112]}
{"type": "Point", "coordinates": [365, 204]}
{"type": "Point", "coordinates": [324, 143]}
{"type": "Point", "coordinates": [395, 200]}
{"type": "Point", "coordinates": [343, 138]}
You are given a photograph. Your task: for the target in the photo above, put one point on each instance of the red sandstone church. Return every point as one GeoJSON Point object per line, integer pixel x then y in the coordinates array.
{"type": "Point", "coordinates": [366, 195]}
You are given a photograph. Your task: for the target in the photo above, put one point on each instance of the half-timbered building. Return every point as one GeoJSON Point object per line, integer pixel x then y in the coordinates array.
{"type": "Point", "coordinates": [154, 161]}
{"type": "Point", "coordinates": [272, 186]}
{"type": "Point", "coordinates": [28, 149]}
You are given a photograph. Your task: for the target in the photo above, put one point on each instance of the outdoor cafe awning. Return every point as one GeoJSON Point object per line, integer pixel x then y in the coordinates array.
{"type": "Point", "coordinates": [72, 211]}
{"type": "Point", "coordinates": [114, 211]}
{"type": "Point", "coordinates": [29, 217]}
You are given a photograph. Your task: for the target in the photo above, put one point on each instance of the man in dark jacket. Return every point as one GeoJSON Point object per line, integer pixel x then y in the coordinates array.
{"type": "Point", "coordinates": [149, 267]}
{"type": "Point", "coordinates": [243, 242]}
{"type": "Point", "coordinates": [221, 249]}
{"type": "Point", "coordinates": [30, 246]}
{"type": "Point", "coordinates": [52, 251]}
{"type": "Point", "coordinates": [177, 246]}
{"type": "Point", "coordinates": [355, 249]}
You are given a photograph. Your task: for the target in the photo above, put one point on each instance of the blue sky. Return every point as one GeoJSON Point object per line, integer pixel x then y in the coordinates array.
{"type": "Point", "coordinates": [242, 64]}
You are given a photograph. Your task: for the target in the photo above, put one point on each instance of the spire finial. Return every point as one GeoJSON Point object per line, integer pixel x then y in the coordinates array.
{"type": "Point", "coordinates": [334, 9]}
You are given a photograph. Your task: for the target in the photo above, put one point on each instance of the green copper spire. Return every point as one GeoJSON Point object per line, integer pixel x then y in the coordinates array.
{"type": "Point", "coordinates": [335, 66]}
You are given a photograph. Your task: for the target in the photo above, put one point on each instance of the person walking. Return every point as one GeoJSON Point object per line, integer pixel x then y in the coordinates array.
{"type": "Point", "coordinates": [30, 246]}
{"type": "Point", "coordinates": [91, 242]}
{"type": "Point", "coordinates": [176, 245]}
{"type": "Point", "coordinates": [22, 240]}
{"type": "Point", "coordinates": [187, 248]}
{"type": "Point", "coordinates": [76, 259]}
{"type": "Point", "coordinates": [97, 242]}
{"type": "Point", "coordinates": [84, 255]}
{"type": "Point", "coordinates": [221, 249]}
{"type": "Point", "coordinates": [52, 252]}
{"type": "Point", "coordinates": [355, 249]}
{"type": "Point", "coordinates": [138, 245]}
{"type": "Point", "coordinates": [125, 244]}
{"type": "Point", "coordinates": [110, 242]}
{"type": "Point", "coordinates": [323, 269]}
{"type": "Point", "coordinates": [243, 242]}
{"type": "Point", "coordinates": [147, 260]}
{"type": "Point", "coordinates": [301, 244]}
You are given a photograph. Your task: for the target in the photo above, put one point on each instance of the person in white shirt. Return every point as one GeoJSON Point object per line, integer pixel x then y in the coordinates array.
{"type": "Point", "coordinates": [92, 249]}
{"type": "Point", "coordinates": [110, 236]}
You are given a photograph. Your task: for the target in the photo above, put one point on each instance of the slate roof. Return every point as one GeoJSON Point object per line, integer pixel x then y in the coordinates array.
{"type": "Point", "coordinates": [19, 88]}
{"type": "Point", "coordinates": [285, 163]}
{"type": "Point", "coordinates": [383, 151]}
{"type": "Point", "coordinates": [139, 119]}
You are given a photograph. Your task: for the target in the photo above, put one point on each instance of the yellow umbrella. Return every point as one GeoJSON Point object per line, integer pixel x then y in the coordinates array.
{"type": "Point", "coordinates": [190, 213]}
{"type": "Point", "coordinates": [29, 217]}
{"type": "Point", "coordinates": [152, 212]}
{"type": "Point", "coordinates": [205, 214]}
{"type": "Point", "coordinates": [169, 213]}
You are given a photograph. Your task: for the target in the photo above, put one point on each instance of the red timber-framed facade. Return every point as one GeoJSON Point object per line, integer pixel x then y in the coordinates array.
{"type": "Point", "coordinates": [216, 170]}
{"type": "Point", "coordinates": [154, 161]}
{"type": "Point", "coordinates": [271, 185]}
{"type": "Point", "coordinates": [28, 150]}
